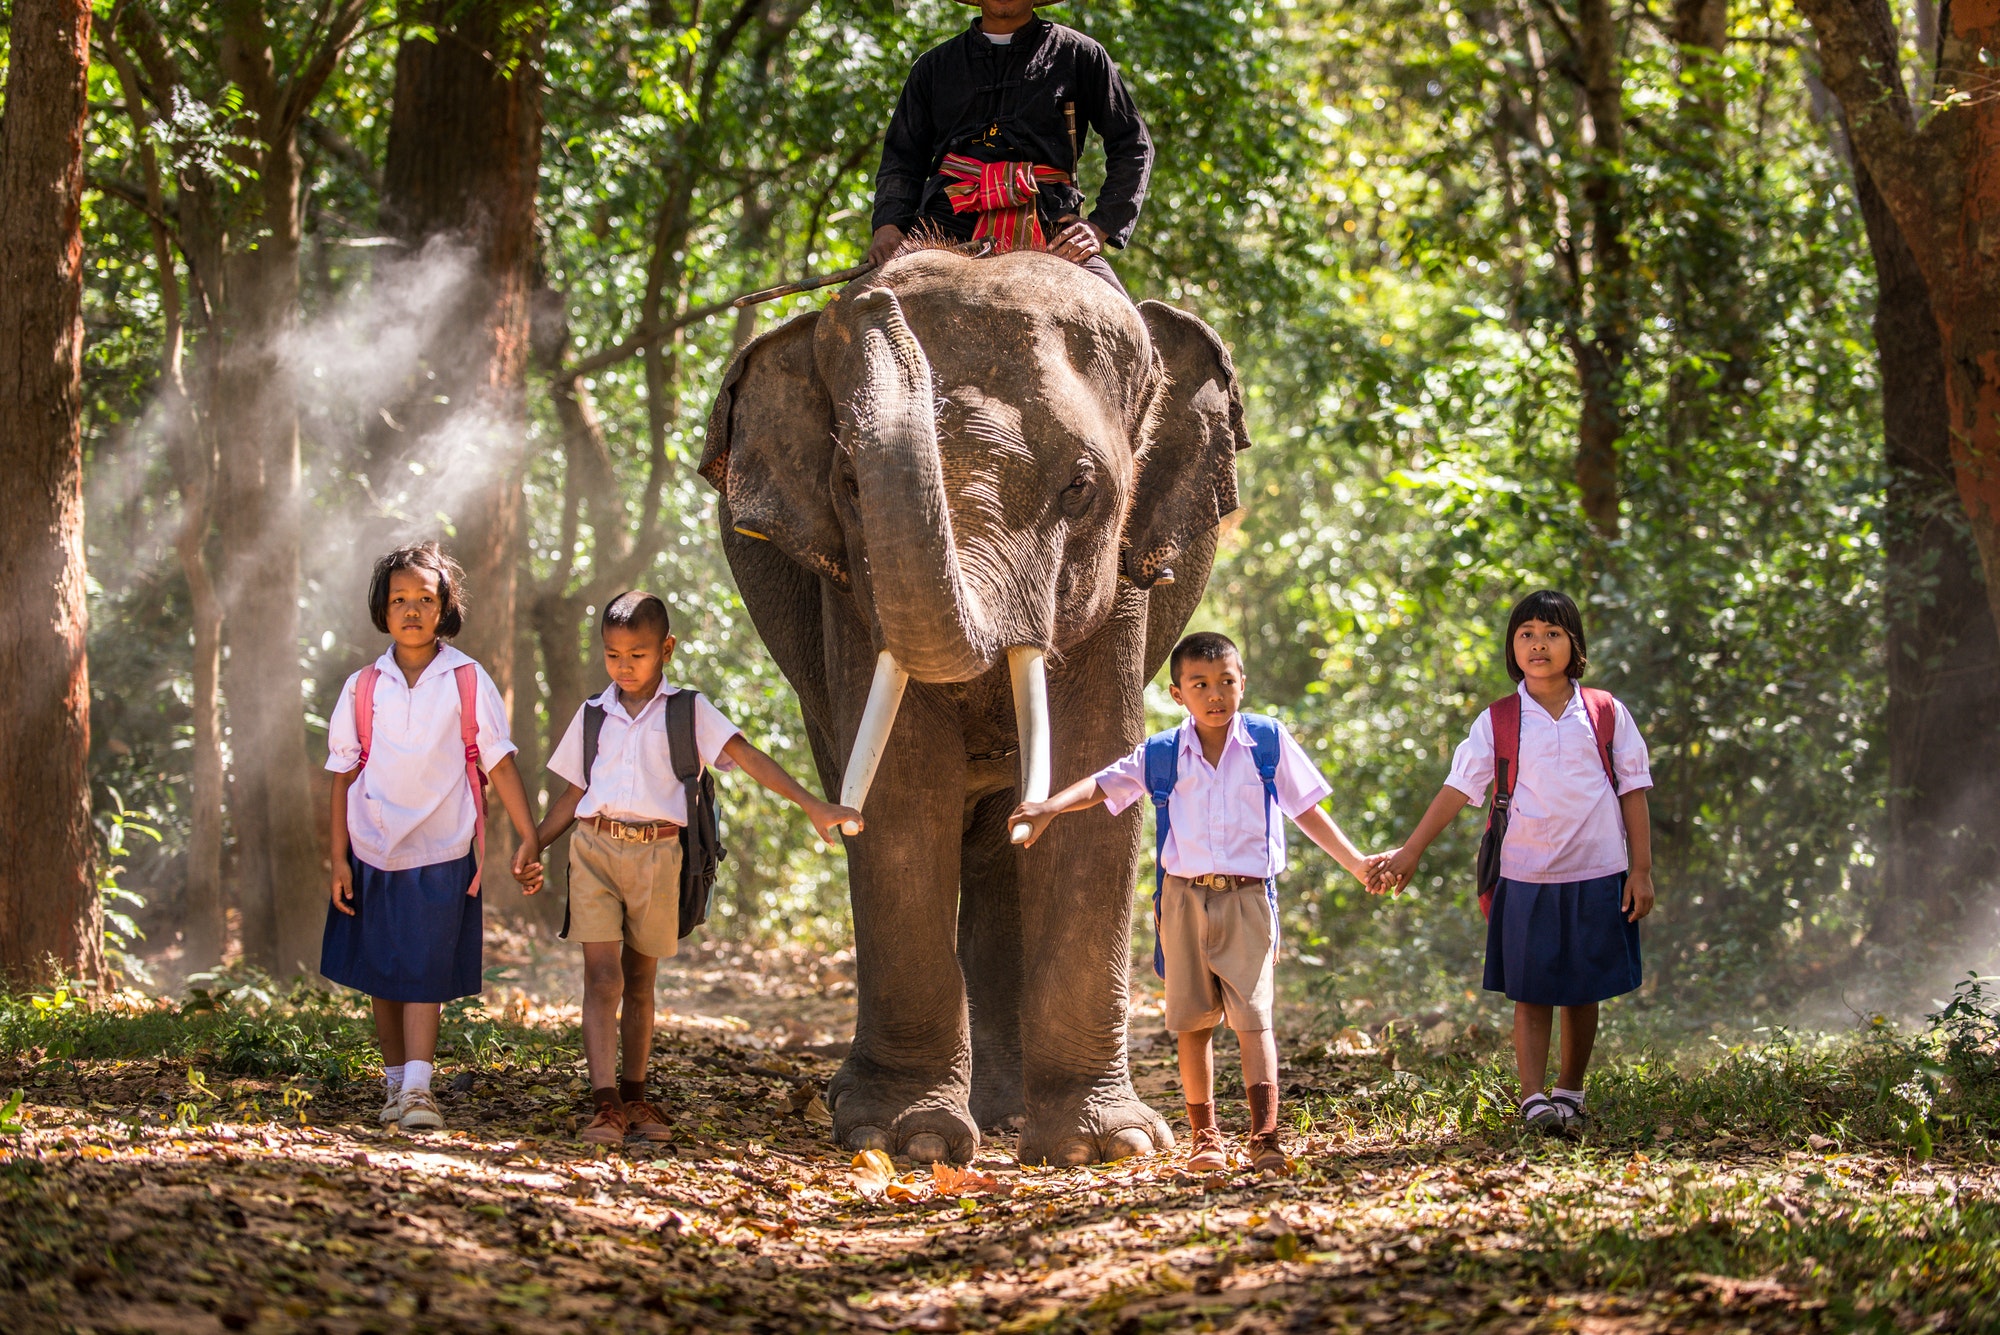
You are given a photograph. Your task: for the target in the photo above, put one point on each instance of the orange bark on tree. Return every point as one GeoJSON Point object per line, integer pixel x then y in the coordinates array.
{"type": "Point", "coordinates": [50, 917]}
{"type": "Point", "coordinates": [1940, 179]}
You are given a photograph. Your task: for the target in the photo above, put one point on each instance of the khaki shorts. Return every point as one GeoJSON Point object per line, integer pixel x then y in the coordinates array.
{"type": "Point", "coordinates": [1218, 947]}
{"type": "Point", "coordinates": [622, 891]}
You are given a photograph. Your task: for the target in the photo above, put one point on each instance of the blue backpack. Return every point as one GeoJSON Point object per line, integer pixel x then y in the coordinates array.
{"type": "Point", "coordinates": [1163, 753]}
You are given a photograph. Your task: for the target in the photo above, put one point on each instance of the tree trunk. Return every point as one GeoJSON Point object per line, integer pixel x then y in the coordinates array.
{"type": "Point", "coordinates": [50, 917]}
{"type": "Point", "coordinates": [1600, 352]}
{"type": "Point", "coordinates": [463, 157]}
{"type": "Point", "coordinates": [1940, 185]}
{"type": "Point", "coordinates": [256, 421]}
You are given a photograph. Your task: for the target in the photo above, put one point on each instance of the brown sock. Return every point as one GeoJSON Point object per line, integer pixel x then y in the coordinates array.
{"type": "Point", "coordinates": [604, 1098]}
{"type": "Point", "coordinates": [1201, 1116]}
{"type": "Point", "coordinates": [1263, 1109]}
{"type": "Point", "coordinates": [631, 1091]}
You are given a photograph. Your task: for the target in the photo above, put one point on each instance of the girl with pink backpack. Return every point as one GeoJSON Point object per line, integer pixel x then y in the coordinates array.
{"type": "Point", "coordinates": [1566, 867]}
{"type": "Point", "coordinates": [414, 739]}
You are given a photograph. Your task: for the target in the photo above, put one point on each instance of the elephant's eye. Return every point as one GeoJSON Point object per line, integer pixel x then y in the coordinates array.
{"type": "Point", "coordinates": [1082, 486]}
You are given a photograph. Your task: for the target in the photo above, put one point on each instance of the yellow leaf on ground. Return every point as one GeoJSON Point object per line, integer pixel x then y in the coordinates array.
{"type": "Point", "coordinates": [873, 1172]}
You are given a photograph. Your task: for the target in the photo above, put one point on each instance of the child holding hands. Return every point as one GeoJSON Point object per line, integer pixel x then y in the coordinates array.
{"type": "Point", "coordinates": [408, 741]}
{"type": "Point", "coordinates": [1576, 863]}
{"type": "Point", "coordinates": [625, 861]}
{"type": "Point", "coordinates": [1217, 779]}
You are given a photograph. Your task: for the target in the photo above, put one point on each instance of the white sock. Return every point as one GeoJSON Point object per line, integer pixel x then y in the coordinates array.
{"type": "Point", "coordinates": [1573, 1095]}
{"type": "Point", "coordinates": [417, 1075]}
{"type": "Point", "coordinates": [392, 1080]}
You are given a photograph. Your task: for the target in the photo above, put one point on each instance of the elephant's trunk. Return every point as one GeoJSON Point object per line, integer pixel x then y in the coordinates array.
{"type": "Point", "coordinates": [927, 611]}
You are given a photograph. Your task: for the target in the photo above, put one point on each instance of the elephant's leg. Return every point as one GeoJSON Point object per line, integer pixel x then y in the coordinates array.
{"type": "Point", "coordinates": [989, 952]}
{"type": "Point", "coordinates": [905, 1084]}
{"type": "Point", "coordinates": [1076, 913]}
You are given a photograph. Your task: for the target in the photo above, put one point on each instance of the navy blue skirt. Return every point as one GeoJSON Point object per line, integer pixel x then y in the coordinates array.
{"type": "Point", "coordinates": [414, 935]}
{"type": "Point", "coordinates": [1567, 944]}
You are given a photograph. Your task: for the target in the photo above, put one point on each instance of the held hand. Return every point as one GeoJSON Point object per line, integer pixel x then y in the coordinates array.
{"type": "Point", "coordinates": [1077, 242]}
{"type": "Point", "coordinates": [887, 239]}
{"type": "Point", "coordinates": [1374, 875]}
{"type": "Point", "coordinates": [829, 817]}
{"type": "Point", "coordinates": [1638, 895]}
{"type": "Point", "coordinates": [528, 868]}
{"type": "Point", "coordinates": [343, 887]}
{"type": "Point", "coordinates": [1399, 867]}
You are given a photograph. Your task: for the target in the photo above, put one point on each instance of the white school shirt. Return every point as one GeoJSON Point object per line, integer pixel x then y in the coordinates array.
{"type": "Point", "coordinates": [632, 778]}
{"type": "Point", "coordinates": [412, 806]}
{"type": "Point", "coordinates": [1565, 823]}
{"type": "Point", "coordinates": [1215, 818]}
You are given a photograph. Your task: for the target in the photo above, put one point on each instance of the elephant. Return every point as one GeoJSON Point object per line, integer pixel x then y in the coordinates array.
{"type": "Point", "coordinates": [970, 505]}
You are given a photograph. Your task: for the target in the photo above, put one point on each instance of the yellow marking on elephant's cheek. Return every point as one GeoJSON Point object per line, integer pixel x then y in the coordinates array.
{"type": "Point", "coordinates": [748, 533]}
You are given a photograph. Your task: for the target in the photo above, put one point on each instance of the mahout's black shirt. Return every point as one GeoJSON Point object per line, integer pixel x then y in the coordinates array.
{"type": "Point", "coordinates": [1005, 104]}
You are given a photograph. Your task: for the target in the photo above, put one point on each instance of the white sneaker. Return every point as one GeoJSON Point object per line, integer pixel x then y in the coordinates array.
{"type": "Point", "coordinates": [392, 1111]}
{"type": "Point", "coordinates": [420, 1111]}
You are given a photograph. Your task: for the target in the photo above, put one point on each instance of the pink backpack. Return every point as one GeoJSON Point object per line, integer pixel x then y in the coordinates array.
{"type": "Point", "coordinates": [468, 733]}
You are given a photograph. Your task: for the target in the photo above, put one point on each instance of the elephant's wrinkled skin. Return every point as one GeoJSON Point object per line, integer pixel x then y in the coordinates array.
{"type": "Point", "coordinates": [956, 457]}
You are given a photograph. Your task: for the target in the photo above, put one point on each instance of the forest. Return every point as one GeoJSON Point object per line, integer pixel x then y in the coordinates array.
{"type": "Point", "coordinates": [1688, 308]}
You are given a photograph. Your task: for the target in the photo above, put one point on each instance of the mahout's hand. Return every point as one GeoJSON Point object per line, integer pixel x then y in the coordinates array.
{"type": "Point", "coordinates": [1078, 242]}
{"type": "Point", "coordinates": [887, 240]}
{"type": "Point", "coordinates": [343, 887]}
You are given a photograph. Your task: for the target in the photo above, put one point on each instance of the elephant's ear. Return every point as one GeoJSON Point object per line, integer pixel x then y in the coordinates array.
{"type": "Point", "coordinates": [1187, 471]}
{"type": "Point", "coordinates": [770, 448]}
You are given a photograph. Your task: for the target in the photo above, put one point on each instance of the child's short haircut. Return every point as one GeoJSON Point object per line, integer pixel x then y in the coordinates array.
{"type": "Point", "coordinates": [423, 556]}
{"type": "Point", "coordinates": [1557, 609]}
{"type": "Point", "coordinates": [1204, 646]}
{"type": "Point", "coordinates": [635, 609]}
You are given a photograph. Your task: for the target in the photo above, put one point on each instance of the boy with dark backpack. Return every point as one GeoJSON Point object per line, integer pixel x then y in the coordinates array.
{"type": "Point", "coordinates": [636, 759]}
{"type": "Point", "coordinates": [1219, 783]}
{"type": "Point", "coordinates": [1566, 866]}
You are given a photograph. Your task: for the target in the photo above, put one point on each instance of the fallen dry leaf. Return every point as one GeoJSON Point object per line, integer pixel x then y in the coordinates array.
{"type": "Point", "coordinates": [873, 1172]}
{"type": "Point", "coordinates": [950, 1180]}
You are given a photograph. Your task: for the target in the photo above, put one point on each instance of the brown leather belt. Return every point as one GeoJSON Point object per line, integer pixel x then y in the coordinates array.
{"type": "Point", "coordinates": [1215, 880]}
{"type": "Point", "coordinates": [629, 832]}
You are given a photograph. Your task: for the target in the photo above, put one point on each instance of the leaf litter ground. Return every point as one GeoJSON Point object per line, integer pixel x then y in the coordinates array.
{"type": "Point", "coordinates": [255, 1209]}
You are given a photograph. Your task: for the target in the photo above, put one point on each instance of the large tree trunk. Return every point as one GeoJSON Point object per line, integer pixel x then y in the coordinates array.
{"type": "Point", "coordinates": [1941, 184]}
{"type": "Point", "coordinates": [1600, 351]}
{"type": "Point", "coordinates": [256, 420]}
{"type": "Point", "coordinates": [463, 157]}
{"type": "Point", "coordinates": [50, 918]}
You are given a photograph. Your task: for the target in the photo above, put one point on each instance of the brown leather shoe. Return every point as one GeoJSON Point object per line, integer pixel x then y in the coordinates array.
{"type": "Point", "coordinates": [644, 1122]}
{"type": "Point", "coordinates": [1267, 1155]}
{"type": "Point", "coordinates": [1206, 1151]}
{"type": "Point", "coordinates": [1205, 1146]}
{"type": "Point", "coordinates": [609, 1127]}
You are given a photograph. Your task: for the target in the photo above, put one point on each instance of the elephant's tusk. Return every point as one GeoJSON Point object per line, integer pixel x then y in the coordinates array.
{"type": "Point", "coordinates": [1026, 665]}
{"type": "Point", "coordinates": [871, 739]}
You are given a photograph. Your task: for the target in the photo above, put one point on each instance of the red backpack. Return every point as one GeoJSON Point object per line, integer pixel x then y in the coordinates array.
{"type": "Point", "coordinates": [1506, 713]}
{"type": "Point", "coordinates": [468, 733]}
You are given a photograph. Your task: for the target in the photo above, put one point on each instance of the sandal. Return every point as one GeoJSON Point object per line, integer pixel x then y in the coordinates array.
{"type": "Point", "coordinates": [1570, 1111]}
{"type": "Point", "coordinates": [1539, 1113]}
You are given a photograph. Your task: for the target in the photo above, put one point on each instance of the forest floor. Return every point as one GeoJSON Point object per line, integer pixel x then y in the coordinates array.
{"type": "Point", "coordinates": [218, 1167]}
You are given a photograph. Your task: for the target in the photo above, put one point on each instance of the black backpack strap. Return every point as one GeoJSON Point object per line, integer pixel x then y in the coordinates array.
{"type": "Point", "coordinates": [681, 748]}
{"type": "Point", "coordinates": [593, 726]}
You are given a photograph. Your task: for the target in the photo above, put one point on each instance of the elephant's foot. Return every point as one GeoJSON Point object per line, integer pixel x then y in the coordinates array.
{"type": "Point", "coordinates": [1096, 1125]}
{"type": "Point", "coordinates": [873, 1110]}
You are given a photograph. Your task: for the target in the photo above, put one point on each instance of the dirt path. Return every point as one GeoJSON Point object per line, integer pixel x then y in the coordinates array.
{"type": "Point", "coordinates": [245, 1218]}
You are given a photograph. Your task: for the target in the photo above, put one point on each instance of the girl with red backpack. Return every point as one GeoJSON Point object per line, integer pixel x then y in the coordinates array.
{"type": "Point", "coordinates": [413, 741]}
{"type": "Point", "coordinates": [1566, 869]}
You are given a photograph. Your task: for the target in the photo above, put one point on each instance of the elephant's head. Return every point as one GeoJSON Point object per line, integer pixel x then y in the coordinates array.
{"type": "Point", "coordinates": [977, 450]}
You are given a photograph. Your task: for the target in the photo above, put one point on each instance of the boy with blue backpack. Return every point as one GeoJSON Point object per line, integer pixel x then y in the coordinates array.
{"type": "Point", "coordinates": [1218, 782]}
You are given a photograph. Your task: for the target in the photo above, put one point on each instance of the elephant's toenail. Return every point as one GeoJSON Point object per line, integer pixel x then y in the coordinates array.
{"type": "Point", "coordinates": [928, 1147]}
{"type": "Point", "coordinates": [1075, 1150]}
{"type": "Point", "coordinates": [1128, 1142]}
{"type": "Point", "coordinates": [868, 1138]}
